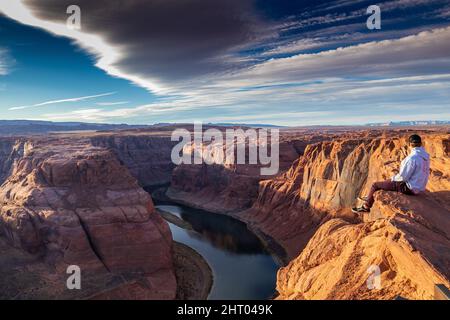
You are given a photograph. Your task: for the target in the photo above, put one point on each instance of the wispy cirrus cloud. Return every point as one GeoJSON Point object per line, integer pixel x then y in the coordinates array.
{"type": "Point", "coordinates": [406, 4]}
{"type": "Point", "coordinates": [420, 54]}
{"type": "Point", "coordinates": [112, 103]}
{"type": "Point", "coordinates": [78, 99]}
{"type": "Point", "coordinates": [5, 62]}
{"type": "Point", "coordinates": [312, 103]}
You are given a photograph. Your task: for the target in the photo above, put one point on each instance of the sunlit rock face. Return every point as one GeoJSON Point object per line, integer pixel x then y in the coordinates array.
{"type": "Point", "coordinates": [406, 238]}
{"type": "Point", "coordinates": [325, 181]}
{"type": "Point", "coordinates": [308, 211]}
{"type": "Point", "coordinates": [70, 203]}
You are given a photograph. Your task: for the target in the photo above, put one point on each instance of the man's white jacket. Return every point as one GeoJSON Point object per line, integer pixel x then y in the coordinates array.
{"type": "Point", "coordinates": [415, 170]}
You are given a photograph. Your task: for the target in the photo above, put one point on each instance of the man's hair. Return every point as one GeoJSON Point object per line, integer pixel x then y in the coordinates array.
{"type": "Point", "coordinates": [415, 140]}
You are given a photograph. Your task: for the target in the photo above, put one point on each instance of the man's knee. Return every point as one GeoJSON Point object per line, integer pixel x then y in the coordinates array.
{"type": "Point", "coordinates": [376, 185]}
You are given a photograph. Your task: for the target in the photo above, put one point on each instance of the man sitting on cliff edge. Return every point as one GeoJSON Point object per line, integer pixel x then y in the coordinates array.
{"type": "Point", "coordinates": [411, 180]}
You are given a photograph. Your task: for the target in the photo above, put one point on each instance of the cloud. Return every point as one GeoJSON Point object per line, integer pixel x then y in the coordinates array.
{"type": "Point", "coordinates": [5, 62]}
{"type": "Point", "coordinates": [87, 115]}
{"type": "Point", "coordinates": [384, 5]}
{"type": "Point", "coordinates": [166, 43]}
{"type": "Point", "coordinates": [330, 37]}
{"type": "Point", "coordinates": [405, 4]}
{"type": "Point", "coordinates": [112, 103]}
{"type": "Point", "coordinates": [63, 101]}
{"type": "Point", "coordinates": [421, 54]}
{"type": "Point", "coordinates": [328, 101]}
{"type": "Point", "coordinates": [162, 41]}
{"type": "Point", "coordinates": [325, 19]}
{"type": "Point", "coordinates": [443, 13]}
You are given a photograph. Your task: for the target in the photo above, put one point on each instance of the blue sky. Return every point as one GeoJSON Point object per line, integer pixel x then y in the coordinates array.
{"type": "Point", "coordinates": [268, 61]}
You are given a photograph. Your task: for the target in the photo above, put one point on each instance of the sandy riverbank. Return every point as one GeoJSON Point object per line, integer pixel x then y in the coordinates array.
{"type": "Point", "coordinates": [194, 276]}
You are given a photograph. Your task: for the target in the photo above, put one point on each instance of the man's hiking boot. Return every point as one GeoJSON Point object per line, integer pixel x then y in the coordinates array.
{"type": "Point", "coordinates": [361, 209]}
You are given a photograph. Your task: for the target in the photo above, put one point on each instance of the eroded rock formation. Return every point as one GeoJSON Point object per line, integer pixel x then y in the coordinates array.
{"type": "Point", "coordinates": [146, 156]}
{"type": "Point", "coordinates": [71, 203]}
{"type": "Point", "coordinates": [407, 237]}
{"type": "Point", "coordinates": [306, 209]}
{"type": "Point", "coordinates": [326, 180]}
{"type": "Point", "coordinates": [232, 187]}
{"type": "Point", "coordinates": [11, 149]}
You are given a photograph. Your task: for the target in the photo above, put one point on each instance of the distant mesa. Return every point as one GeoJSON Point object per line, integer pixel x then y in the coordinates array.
{"type": "Point", "coordinates": [409, 123]}
{"type": "Point", "coordinates": [27, 127]}
{"type": "Point", "coordinates": [249, 125]}
{"type": "Point", "coordinates": [20, 127]}
{"type": "Point", "coordinates": [30, 127]}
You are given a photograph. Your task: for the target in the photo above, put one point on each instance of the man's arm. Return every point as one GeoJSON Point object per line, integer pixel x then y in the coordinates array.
{"type": "Point", "coordinates": [406, 171]}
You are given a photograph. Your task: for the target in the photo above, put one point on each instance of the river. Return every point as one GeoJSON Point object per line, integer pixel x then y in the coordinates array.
{"type": "Point", "coordinates": [243, 269]}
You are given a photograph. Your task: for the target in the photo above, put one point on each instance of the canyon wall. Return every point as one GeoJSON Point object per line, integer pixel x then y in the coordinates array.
{"type": "Point", "coordinates": [147, 156]}
{"type": "Point", "coordinates": [318, 186]}
{"type": "Point", "coordinates": [11, 149]}
{"type": "Point", "coordinates": [405, 239]}
{"type": "Point", "coordinates": [326, 180]}
{"type": "Point", "coordinates": [308, 211]}
{"type": "Point", "coordinates": [71, 203]}
{"type": "Point", "coordinates": [213, 188]}
{"type": "Point", "coordinates": [230, 187]}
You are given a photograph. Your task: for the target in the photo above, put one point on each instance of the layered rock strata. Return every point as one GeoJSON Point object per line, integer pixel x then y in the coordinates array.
{"type": "Point", "coordinates": [230, 187]}
{"type": "Point", "coordinates": [147, 157]}
{"type": "Point", "coordinates": [70, 203]}
{"type": "Point", "coordinates": [332, 251]}
{"type": "Point", "coordinates": [326, 180]}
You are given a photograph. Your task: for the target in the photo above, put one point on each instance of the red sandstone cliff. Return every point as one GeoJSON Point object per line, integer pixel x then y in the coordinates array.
{"type": "Point", "coordinates": [326, 180]}
{"type": "Point", "coordinates": [70, 203]}
{"type": "Point", "coordinates": [406, 238]}
{"type": "Point", "coordinates": [231, 188]}
{"type": "Point", "coordinates": [307, 211]}
{"type": "Point", "coordinates": [147, 156]}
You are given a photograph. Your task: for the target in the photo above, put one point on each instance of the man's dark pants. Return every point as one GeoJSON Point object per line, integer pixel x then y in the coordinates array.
{"type": "Point", "coordinates": [387, 185]}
